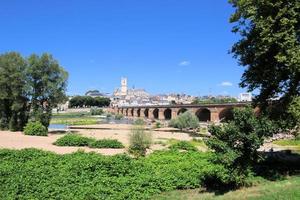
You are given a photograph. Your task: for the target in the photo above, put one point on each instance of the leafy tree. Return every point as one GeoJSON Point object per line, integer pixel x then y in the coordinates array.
{"type": "Point", "coordinates": [269, 48]}
{"type": "Point", "coordinates": [88, 101]}
{"type": "Point", "coordinates": [294, 111]}
{"type": "Point", "coordinates": [13, 95]}
{"type": "Point", "coordinates": [236, 143]}
{"type": "Point", "coordinates": [47, 81]}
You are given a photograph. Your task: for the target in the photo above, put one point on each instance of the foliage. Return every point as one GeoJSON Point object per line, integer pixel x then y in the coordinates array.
{"type": "Point", "coordinates": [236, 143]}
{"type": "Point", "coordinates": [119, 116]}
{"type": "Point", "coordinates": [35, 128]}
{"type": "Point", "coordinates": [106, 143]}
{"type": "Point", "coordinates": [214, 100]}
{"type": "Point", "coordinates": [13, 96]}
{"type": "Point", "coordinates": [294, 111]}
{"type": "Point", "coordinates": [157, 124]}
{"type": "Point", "coordinates": [72, 139]}
{"type": "Point", "coordinates": [269, 48]}
{"type": "Point", "coordinates": [81, 175]}
{"type": "Point", "coordinates": [139, 140]}
{"type": "Point", "coordinates": [96, 111]}
{"type": "Point", "coordinates": [183, 145]}
{"type": "Point", "coordinates": [88, 101]}
{"type": "Point", "coordinates": [47, 81]}
{"type": "Point", "coordinates": [186, 120]}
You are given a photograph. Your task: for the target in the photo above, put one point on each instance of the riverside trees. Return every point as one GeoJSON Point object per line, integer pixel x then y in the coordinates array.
{"type": "Point", "coordinates": [37, 84]}
{"type": "Point", "coordinates": [269, 48]}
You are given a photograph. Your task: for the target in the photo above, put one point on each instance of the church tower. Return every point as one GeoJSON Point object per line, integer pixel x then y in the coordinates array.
{"type": "Point", "coordinates": [124, 86]}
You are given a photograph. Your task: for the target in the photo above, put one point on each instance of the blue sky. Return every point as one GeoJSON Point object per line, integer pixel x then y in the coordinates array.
{"type": "Point", "coordinates": [161, 45]}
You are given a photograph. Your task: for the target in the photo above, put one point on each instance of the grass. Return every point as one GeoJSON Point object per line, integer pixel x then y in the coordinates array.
{"type": "Point", "coordinates": [78, 118]}
{"type": "Point", "coordinates": [267, 190]}
{"type": "Point", "coordinates": [74, 121]}
{"type": "Point", "coordinates": [291, 144]}
{"type": "Point", "coordinates": [295, 142]}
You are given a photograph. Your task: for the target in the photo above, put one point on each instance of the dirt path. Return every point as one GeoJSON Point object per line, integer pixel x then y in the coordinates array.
{"type": "Point", "coordinates": [17, 140]}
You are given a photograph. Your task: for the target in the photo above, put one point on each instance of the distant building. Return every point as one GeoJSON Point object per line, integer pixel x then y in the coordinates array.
{"type": "Point", "coordinates": [245, 97]}
{"type": "Point", "coordinates": [123, 90]}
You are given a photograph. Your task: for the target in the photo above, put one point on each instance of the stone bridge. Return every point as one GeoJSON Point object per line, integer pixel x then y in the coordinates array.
{"type": "Point", "coordinates": [204, 112]}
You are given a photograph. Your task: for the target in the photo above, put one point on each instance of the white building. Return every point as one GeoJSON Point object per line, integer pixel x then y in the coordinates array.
{"type": "Point", "coordinates": [245, 97]}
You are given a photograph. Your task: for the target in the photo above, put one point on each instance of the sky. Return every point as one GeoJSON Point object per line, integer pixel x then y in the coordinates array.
{"type": "Point", "coordinates": [163, 46]}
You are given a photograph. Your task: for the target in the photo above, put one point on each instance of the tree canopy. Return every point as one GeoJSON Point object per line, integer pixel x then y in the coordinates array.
{"type": "Point", "coordinates": [35, 84]}
{"type": "Point", "coordinates": [88, 101]}
{"type": "Point", "coordinates": [269, 48]}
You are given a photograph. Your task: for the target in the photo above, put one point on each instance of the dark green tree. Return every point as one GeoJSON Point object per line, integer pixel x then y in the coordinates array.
{"type": "Point", "coordinates": [236, 143]}
{"type": "Point", "coordinates": [13, 95]}
{"type": "Point", "coordinates": [269, 48]}
{"type": "Point", "coordinates": [47, 81]}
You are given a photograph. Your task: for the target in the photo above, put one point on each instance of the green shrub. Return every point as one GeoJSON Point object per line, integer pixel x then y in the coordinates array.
{"type": "Point", "coordinates": [186, 120]}
{"type": "Point", "coordinates": [80, 175]}
{"type": "Point", "coordinates": [74, 140]}
{"type": "Point", "coordinates": [119, 116]}
{"type": "Point", "coordinates": [106, 143]}
{"type": "Point", "coordinates": [157, 125]}
{"type": "Point", "coordinates": [108, 115]}
{"type": "Point", "coordinates": [236, 143]}
{"type": "Point", "coordinates": [35, 128]}
{"type": "Point", "coordinates": [81, 141]}
{"type": "Point", "coordinates": [139, 141]}
{"type": "Point", "coordinates": [183, 145]}
{"type": "Point", "coordinates": [96, 111]}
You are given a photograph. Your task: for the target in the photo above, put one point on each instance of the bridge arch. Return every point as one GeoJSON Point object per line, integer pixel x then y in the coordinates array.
{"type": "Point", "coordinates": [181, 111]}
{"type": "Point", "coordinates": [155, 113]}
{"type": "Point", "coordinates": [203, 114]}
{"type": "Point", "coordinates": [168, 114]}
{"type": "Point", "coordinates": [226, 114]}
{"type": "Point", "coordinates": [146, 113]}
{"type": "Point", "coordinates": [138, 112]}
{"type": "Point", "coordinates": [126, 112]}
{"type": "Point", "coordinates": [132, 112]}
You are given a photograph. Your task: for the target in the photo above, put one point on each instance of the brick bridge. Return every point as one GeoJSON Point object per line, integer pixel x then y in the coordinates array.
{"type": "Point", "coordinates": [204, 112]}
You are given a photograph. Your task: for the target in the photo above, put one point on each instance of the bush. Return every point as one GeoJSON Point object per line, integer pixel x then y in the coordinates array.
{"type": "Point", "coordinates": [186, 120]}
{"type": "Point", "coordinates": [183, 145]}
{"type": "Point", "coordinates": [82, 175]}
{"type": "Point", "coordinates": [119, 116]}
{"type": "Point", "coordinates": [157, 125]}
{"type": "Point", "coordinates": [139, 141]}
{"type": "Point", "coordinates": [74, 140]}
{"type": "Point", "coordinates": [96, 111]}
{"type": "Point", "coordinates": [81, 141]}
{"type": "Point", "coordinates": [35, 128]}
{"type": "Point", "coordinates": [106, 143]}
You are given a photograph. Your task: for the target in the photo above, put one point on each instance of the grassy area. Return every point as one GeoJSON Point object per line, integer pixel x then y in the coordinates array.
{"type": "Point", "coordinates": [78, 118]}
{"type": "Point", "coordinates": [295, 142]}
{"type": "Point", "coordinates": [267, 190]}
{"type": "Point", "coordinates": [293, 145]}
{"type": "Point", "coordinates": [75, 121]}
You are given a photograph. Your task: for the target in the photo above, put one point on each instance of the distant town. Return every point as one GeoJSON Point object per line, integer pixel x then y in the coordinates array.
{"type": "Point", "coordinates": [125, 96]}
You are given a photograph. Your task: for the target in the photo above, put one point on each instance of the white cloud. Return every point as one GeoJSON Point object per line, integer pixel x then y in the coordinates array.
{"type": "Point", "coordinates": [184, 63]}
{"type": "Point", "coordinates": [226, 83]}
